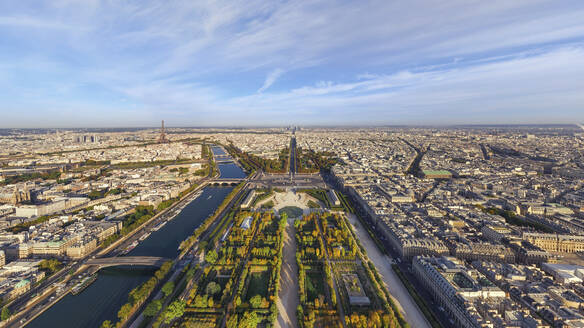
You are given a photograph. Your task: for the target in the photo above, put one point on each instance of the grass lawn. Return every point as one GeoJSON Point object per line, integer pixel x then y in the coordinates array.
{"type": "Point", "coordinates": [314, 285]}
{"type": "Point", "coordinates": [312, 204]}
{"type": "Point", "coordinates": [258, 284]}
{"type": "Point", "coordinates": [291, 211]}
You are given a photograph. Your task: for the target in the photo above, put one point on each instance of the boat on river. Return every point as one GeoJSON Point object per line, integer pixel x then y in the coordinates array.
{"type": "Point", "coordinates": [158, 226]}
{"type": "Point", "coordinates": [83, 284]}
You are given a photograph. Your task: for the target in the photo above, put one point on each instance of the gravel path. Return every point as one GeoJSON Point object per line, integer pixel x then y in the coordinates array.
{"type": "Point", "coordinates": [288, 299]}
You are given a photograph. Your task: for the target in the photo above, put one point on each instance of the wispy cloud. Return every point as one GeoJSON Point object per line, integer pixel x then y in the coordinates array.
{"type": "Point", "coordinates": [270, 79]}
{"type": "Point", "coordinates": [31, 22]}
{"type": "Point", "coordinates": [375, 61]}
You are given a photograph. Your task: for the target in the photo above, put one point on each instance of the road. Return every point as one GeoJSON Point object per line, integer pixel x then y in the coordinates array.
{"type": "Point", "coordinates": [288, 298]}
{"type": "Point", "coordinates": [399, 293]}
{"type": "Point", "coordinates": [263, 180]}
{"type": "Point", "coordinates": [292, 159]}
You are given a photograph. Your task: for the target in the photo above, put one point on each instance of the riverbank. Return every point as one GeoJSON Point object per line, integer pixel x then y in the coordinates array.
{"type": "Point", "coordinates": [153, 218]}
{"type": "Point", "coordinates": [111, 289]}
{"type": "Point", "coordinates": [83, 268]}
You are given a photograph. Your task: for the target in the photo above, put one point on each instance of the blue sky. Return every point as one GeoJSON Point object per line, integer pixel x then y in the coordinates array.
{"type": "Point", "coordinates": [87, 63]}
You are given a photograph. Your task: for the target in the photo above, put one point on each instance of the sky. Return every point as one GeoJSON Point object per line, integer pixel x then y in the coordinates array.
{"type": "Point", "coordinates": [90, 63]}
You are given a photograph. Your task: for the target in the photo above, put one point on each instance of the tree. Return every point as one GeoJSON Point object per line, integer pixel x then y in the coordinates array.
{"type": "Point", "coordinates": [249, 320]}
{"type": "Point", "coordinates": [201, 301]}
{"type": "Point", "coordinates": [167, 288]}
{"type": "Point", "coordinates": [273, 312]}
{"type": "Point", "coordinates": [190, 274]}
{"type": "Point", "coordinates": [256, 301]}
{"type": "Point", "coordinates": [213, 288]}
{"type": "Point", "coordinates": [107, 324]}
{"type": "Point", "coordinates": [95, 194]}
{"type": "Point", "coordinates": [176, 309]}
{"type": "Point", "coordinates": [232, 321]}
{"type": "Point", "coordinates": [124, 311]}
{"type": "Point", "coordinates": [152, 308]}
{"type": "Point", "coordinates": [211, 256]}
{"type": "Point", "coordinates": [50, 265]}
{"type": "Point", "coordinates": [5, 314]}
{"type": "Point", "coordinates": [300, 313]}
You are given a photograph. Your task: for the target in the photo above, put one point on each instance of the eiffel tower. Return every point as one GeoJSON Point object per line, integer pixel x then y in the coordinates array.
{"type": "Point", "coordinates": [162, 138]}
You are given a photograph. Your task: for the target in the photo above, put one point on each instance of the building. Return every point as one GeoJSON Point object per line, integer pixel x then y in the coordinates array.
{"type": "Point", "coordinates": [548, 209]}
{"type": "Point", "coordinates": [402, 198]}
{"type": "Point", "coordinates": [246, 224]}
{"type": "Point", "coordinates": [248, 199]}
{"type": "Point", "coordinates": [484, 252]}
{"type": "Point", "coordinates": [495, 233]}
{"type": "Point", "coordinates": [15, 197]}
{"type": "Point", "coordinates": [556, 242]}
{"type": "Point", "coordinates": [457, 288]}
{"type": "Point", "coordinates": [334, 199]}
{"type": "Point", "coordinates": [81, 248]}
{"type": "Point", "coordinates": [528, 253]}
{"type": "Point", "coordinates": [355, 291]}
{"type": "Point", "coordinates": [55, 206]}
{"type": "Point", "coordinates": [564, 273]}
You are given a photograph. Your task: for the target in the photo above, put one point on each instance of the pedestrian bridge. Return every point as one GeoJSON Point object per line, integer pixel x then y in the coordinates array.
{"type": "Point", "coordinates": [128, 260]}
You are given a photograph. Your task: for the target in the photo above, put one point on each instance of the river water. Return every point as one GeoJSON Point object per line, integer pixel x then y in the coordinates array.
{"type": "Point", "coordinates": [102, 299]}
{"type": "Point", "coordinates": [228, 170]}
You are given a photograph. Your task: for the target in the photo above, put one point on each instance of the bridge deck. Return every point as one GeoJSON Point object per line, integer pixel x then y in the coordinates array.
{"type": "Point", "coordinates": [128, 260]}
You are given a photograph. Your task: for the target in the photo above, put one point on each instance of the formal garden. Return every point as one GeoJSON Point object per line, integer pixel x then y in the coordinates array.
{"type": "Point", "coordinates": [238, 286]}
{"type": "Point", "coordinates": [334, 284]}
{"type": "Point", "coordinates": [238, 283]}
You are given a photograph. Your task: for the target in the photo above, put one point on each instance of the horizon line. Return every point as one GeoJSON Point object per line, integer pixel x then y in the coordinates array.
{"type": "Point", "coordinates": [438, 125]}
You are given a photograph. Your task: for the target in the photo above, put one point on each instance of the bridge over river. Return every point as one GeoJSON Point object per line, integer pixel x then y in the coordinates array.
{"type": "Point", "coordinates": [128, 260]}
{"type": "Point", "coordinates": [226, 182]}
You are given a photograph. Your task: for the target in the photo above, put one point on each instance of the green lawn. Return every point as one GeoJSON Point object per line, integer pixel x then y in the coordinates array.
{"type": "Point", "coordinates": [314, 285]}
{"type": "Point", "coordinates": [258, 284]}
{"type": "Point", "coordinates": [291, 211]}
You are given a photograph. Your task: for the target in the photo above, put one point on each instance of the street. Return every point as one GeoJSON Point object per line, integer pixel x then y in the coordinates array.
{"type": "Point", "coordinates": [399, 293]}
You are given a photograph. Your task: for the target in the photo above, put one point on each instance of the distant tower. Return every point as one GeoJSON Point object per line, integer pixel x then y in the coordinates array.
{"type": "Point", "coordinates": [162, 138]}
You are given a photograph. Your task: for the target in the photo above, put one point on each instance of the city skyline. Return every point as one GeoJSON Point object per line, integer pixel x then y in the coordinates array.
{"type": "Point", "coordinates": [92, 64]}
{"type": "Point", "coordinates": [479, 226]}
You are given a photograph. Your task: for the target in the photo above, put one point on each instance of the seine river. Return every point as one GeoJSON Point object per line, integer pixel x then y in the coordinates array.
{"type": "Point", "coordinates": [102, 299]}
{"type": "Point", "coordinates": [228, 170]}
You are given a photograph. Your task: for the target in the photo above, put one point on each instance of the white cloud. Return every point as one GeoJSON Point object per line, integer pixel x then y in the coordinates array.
{"type": "Point", "coordinates": [541, 88]}
{"type": "Point", "coordinates": [31, 22]}
{"type": "Point", "coordinates": [366, 60]}
{"type": "Point", "coordinates": [270, 79]}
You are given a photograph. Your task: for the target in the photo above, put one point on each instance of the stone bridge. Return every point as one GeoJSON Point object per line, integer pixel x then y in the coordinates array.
{"type": "Point", "coordinates": [225, 161]}
{"type": "Point", "coordinates": [225, 182]}
{"type": "Point", "coordinates": [128, 260]}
